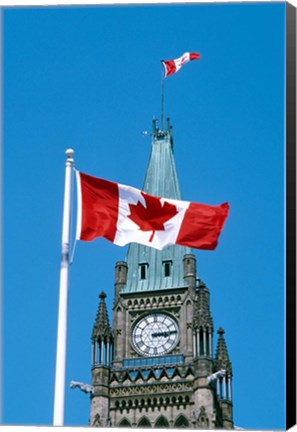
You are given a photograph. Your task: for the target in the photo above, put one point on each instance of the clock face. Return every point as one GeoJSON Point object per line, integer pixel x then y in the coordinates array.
{"type": "Point", "coordinates": [155, 334]}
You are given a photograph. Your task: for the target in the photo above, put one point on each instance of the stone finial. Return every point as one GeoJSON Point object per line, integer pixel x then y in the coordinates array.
{"type": "Point", "coordinates": [222, 360]}
{"type": "Point", "coordinates": [101, 325]}
{"type": "Point", "coordinates": [102, 295]}
{"type": "Point", "coordinates": [202, 314]}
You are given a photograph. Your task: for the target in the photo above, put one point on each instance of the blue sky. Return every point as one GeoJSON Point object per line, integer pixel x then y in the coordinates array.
{"type": "Point", "coordinates": [90, 78]}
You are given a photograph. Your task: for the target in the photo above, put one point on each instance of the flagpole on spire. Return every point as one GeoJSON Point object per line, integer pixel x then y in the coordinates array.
{"type": "Point", "coordinates": [162, 96]}
{"type": "Point", "coordinates": [58, 419]}
{"type": "Point", "coordinates": [171, 67]}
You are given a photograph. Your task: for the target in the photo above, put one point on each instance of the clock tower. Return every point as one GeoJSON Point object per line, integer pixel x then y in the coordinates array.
{"type": "Point", "coordinates": [155, 366]}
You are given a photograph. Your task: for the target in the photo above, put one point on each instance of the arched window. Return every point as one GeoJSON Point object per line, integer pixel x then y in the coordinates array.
{"type": "Point", "coordinates": [145, 423]}
{"type": "Point", "coordinates": [162, 422]}
{"type": "Point", "coordinates": [124, 423]}
{"type": "Point", "coordinates": [181, 422]}
{"type": "Point", "coordinates": [201, 345]}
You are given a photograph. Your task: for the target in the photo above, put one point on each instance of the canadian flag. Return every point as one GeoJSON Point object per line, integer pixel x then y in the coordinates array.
{"type": "Point", "coordinates": [172, 66]}
{"type": "Point", "coordinates": [123, 214]}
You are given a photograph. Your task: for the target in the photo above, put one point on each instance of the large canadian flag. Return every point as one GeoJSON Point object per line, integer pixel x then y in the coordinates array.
{"type": "Point", "coordinates": [123, 214]}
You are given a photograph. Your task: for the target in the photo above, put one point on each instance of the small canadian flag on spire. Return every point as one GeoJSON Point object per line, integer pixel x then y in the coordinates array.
{"type": "Point", "coordinates": [172, 66]}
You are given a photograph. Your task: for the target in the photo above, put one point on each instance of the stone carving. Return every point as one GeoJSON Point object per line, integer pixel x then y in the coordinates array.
{"type": "Point", "coordinates": [97, 421]}
{"type": "Point", "coordinates": [151, 389]}
{"type": "Point", "coordinates": [203, 421]}
{"type": "Point", "coordinates": [153, 302]}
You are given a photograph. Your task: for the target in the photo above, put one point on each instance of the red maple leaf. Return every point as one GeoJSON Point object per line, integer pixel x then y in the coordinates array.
{"type": "Point", "coordinates": [153, 216]}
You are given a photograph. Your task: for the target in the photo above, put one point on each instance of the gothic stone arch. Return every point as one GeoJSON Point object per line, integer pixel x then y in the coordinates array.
{"type": "Point", "coordinates": [181, 422]}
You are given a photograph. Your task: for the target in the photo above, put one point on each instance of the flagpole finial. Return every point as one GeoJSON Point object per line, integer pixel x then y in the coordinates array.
{"type": "Point", "coordinates": [69, 153]}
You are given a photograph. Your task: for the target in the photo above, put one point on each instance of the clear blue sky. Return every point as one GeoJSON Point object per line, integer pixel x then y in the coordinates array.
{"type": "Point", "coordinates": [89, 78]}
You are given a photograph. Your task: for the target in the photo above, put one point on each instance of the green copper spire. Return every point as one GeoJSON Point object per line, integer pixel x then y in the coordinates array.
{"type": "Point", "coordinates": [161, 177]}
{"type": "Point", "coordinates": [150, 269]}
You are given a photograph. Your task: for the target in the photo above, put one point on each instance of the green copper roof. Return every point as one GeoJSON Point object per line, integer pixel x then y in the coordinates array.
{"type": "Point", "coordinates": [160, 180]}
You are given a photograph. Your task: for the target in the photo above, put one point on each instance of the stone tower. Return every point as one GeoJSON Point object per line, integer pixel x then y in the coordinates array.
{"type": "Point", "coordinates": [155, 366]}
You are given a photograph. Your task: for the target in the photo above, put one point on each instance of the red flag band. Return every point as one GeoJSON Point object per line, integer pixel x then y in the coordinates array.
{"type": "Point", "coordinates": [172, 66]}
{"type": "Point", "coordinates": [123, 214]}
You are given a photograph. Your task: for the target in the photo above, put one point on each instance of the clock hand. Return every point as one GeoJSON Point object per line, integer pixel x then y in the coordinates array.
{"type": "Point", "coordinates": [165, 334]}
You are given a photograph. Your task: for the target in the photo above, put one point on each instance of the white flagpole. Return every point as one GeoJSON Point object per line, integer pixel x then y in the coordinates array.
{"type": "Point", "coordinates": [63, 297]}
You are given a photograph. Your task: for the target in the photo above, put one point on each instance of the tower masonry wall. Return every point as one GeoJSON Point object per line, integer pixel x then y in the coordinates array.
{"type": "Point", "coordinates": [100, 396]}
{"type": "Point", "coordinates": [204, 400]}
{"type": "Point", "coordinates": [100, 411]}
